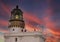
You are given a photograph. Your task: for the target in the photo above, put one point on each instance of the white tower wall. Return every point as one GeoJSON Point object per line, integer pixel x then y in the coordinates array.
{"type": "Point", "coordinates": [15, 29]}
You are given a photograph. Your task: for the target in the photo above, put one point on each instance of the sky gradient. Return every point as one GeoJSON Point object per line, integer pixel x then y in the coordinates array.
{"type": "Point", "coordinates": [36, 13]}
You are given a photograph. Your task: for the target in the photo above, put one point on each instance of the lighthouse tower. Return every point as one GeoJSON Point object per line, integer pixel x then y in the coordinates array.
{"type": "Point", "coordinates": [16, 24]}
{"type": "Point", "coordinates": [17, 31]}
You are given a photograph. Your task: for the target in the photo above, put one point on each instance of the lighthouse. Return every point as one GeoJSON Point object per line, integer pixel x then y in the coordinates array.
{"type": "Point", "coordinates": [16, 24]}
{"type": "Point", "coordinates": [17, 31]}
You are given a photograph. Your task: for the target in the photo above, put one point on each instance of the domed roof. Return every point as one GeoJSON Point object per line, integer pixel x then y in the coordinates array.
{"type": "Point", "coordinates": [16, 10]}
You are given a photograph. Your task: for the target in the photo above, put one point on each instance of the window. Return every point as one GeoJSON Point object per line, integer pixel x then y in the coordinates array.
{"type": "Point", "coordinates": [15, 39]}
{"type": "Point", "coordinates": [17, 16]}
{"type": "Point", "coordinates": [13, 29]}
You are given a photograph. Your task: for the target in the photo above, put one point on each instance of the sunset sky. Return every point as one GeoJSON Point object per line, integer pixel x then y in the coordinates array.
{"type": "Point", "coordinates": [36, 13]}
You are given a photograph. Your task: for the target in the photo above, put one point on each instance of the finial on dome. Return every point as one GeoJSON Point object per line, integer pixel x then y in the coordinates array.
{"type": "Point", "coordinates": [17, 6]}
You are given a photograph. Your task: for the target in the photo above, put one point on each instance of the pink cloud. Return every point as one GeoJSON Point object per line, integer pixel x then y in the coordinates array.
{"type": "Point", "coordinates": [3, 23]}
{"type": "Point", "coordinates": [4, 31]}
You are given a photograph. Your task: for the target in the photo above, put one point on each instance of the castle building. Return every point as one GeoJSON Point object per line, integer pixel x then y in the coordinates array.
{"type": "Point", "coordinates": [17, 31]}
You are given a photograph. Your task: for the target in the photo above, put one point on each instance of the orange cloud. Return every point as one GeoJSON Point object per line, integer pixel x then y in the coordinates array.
{"type": "Point", "coordinates": [33, 18]}
{"type": "Point", "coordinates": [31, 28]}
{"type": "Point", "coordinates": [53, 32]}
{"type": "Point", "coordinates": [51, 26]}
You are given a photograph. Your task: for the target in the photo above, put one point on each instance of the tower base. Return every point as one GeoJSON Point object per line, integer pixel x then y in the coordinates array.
{"type": "Point", "coordinates": [24, 37]}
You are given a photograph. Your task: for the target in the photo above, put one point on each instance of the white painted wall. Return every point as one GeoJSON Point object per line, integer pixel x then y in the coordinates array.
{"type": "Point", "coordinates": [16, 30]}
{"type": "Point", "coordinates": [30, 39]}
{"type": "Point", "coordinates": [24, 37]}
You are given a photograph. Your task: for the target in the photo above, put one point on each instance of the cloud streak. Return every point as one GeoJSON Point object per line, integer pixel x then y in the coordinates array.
{"type": "Point", "coordinates": [3, 23]}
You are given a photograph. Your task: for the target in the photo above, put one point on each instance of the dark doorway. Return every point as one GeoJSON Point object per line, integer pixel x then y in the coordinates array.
{"type": "Point", "coordinates": [15, 39]}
